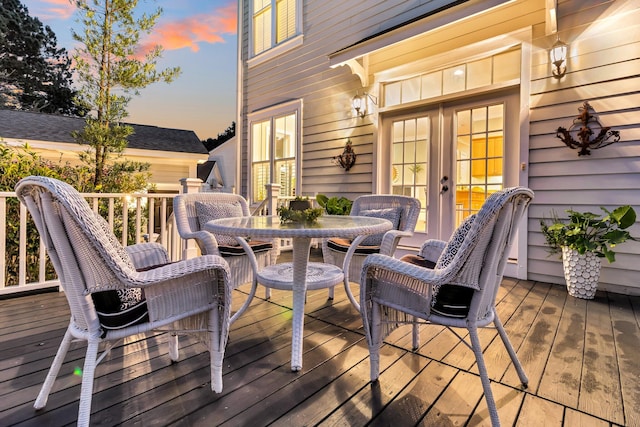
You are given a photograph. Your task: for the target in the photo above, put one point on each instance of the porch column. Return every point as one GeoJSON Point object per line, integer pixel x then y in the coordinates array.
{"type": "Point", "coordinates": [273, 194]}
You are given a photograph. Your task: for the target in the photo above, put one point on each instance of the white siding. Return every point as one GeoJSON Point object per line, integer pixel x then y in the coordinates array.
{"type": "Point", "coordinates": [603, 68]}
{"type": "Point", "coordinates": [603, 65]}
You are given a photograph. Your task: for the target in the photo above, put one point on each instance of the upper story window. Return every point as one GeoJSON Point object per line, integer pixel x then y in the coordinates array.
{"type": "Point", "coordinates": [274, 22]}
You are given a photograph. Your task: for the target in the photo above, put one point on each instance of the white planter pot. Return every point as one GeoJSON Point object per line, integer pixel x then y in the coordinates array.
{"type": "Point", "coordinates": [581, 272]}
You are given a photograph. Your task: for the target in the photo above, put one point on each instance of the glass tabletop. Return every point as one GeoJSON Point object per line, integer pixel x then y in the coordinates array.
{"type": "Point", "coordinates": [326, 226]}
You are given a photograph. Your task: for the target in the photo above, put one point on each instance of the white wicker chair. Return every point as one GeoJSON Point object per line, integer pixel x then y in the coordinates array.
{"type": "Point", "coordinates": [334, 250]}
{"type": "Point", "coordinates": [185, 210]}
{"type": "Point", "coordinates": [188, 296]}
{"type": "Point", "coordinates": [395, 292]}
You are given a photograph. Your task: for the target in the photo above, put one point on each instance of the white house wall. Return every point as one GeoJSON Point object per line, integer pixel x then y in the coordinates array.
{"type": "Point", "coordinates": [167, 168]}
{"type": "Point", "coordinates": [604, 39]}
{"type": "Point", "coordinates": [603, 65]}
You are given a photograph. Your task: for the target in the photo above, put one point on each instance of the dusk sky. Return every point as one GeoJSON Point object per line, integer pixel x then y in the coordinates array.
{"type": "Point", "coordinates": [199, 36]}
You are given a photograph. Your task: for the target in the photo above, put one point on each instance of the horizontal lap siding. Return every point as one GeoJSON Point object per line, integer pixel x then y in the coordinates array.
{"type": "Point", "coordinates": [603, 68]}
{"type": "Point", "coordinates": [304, 72]}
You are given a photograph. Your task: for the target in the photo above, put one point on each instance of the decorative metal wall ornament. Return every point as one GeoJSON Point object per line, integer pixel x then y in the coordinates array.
{"type": "Point", "coordinates": [584, 126]}
{"type": "Point", "coordinates": [348, 157]}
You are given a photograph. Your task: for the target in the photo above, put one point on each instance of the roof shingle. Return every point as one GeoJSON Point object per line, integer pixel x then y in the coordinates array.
{"type": "Point", "coordinates": [29, 125]}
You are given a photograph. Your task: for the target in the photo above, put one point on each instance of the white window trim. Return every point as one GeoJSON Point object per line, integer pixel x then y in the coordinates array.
{"type": "Point", "coordinates": [270, 113]}
{"type": "Point", "coordinates": [276, 49]}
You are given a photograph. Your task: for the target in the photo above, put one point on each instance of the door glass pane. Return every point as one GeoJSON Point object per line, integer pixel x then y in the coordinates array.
{"type": "Point", "coordinates": [506, 66]}
{"type": "Point", "coordinates": [410, 162]}
{"type": "Point", "coordinates": [411, 90]}
{"type": "Point", "coordinates": [392, 93]}
{"type": "Point", "coordinates": [479, 157]}
{"type": "Point", "coordinates": [453, 79]}
{"type": "Point", "coordinates": [479, 73]}
{"type": "Point", "coordinates": [431, 85]}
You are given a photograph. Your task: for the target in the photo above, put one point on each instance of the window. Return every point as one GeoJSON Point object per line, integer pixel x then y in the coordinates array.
{"type": "Point", "coordinates": [275, 140]}
{"type": "Point", "coordinates": [497, 69]}
{"type": "Point", "coordinates": [274, 22]}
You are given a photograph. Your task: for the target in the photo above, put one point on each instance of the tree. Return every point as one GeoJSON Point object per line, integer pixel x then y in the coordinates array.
{"type": "Point", "coordinates": [34, 73]}
{"type": "Point", "coordinates": [223, 137]}
{"type": "Point", "coordinates": [19, 162]}
{"type": "Point", "coordinates": [111, 71]}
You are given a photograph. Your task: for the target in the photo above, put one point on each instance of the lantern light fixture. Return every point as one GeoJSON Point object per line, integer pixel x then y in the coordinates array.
{"type": "Point", "coordinates": [360, 103]}
{"type": "Point", "coordinates": [558, 56]}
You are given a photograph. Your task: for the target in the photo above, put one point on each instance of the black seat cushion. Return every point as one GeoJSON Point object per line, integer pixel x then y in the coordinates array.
{"type": "Point", "coordinates": [235, 250]}
{"type": "Point", "coordinates": [450, 300]}
{"type": "Point", "coordinates": [121, 308]}
{"type": "Point", "coordinates": [342, 245]}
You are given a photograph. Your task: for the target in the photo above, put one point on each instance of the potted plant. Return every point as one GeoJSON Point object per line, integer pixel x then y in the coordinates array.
{"type": "Point", "coordinates": [307, 216]}
{"type": "Point", "coordinates": [583, 241]}
{"type": "Point", "coordinates": [334, 205]}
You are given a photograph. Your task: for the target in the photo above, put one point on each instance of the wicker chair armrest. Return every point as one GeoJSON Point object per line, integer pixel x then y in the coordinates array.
{"type": "Point", "coordinates": [382, 263]}
{"type": "Point", "coordinates": [391, 239]}
{"type": "Point", "coordinates": [431, 249]}
{"type": "Point", "coordinates": [144, 255]}
{"type": "Point", "coordinates": [206, 241]}
{"type": "Point", "coordinates": [189, 285]}
{"type": "Point", "coordinates": [177, 270]}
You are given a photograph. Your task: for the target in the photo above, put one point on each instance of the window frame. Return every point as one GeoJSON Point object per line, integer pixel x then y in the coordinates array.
{"type": "Point", "coordinates": [271, 114]}
{"type": "Point", "coordinates": [275, 49]}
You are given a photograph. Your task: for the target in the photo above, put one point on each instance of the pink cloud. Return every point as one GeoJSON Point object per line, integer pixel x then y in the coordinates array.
{"type": "Point", "coordinates": [54, 9]}
{"type": "Point", "coordinates": [191, 31]}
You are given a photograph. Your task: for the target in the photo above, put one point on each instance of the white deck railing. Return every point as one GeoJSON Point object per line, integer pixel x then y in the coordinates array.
{"type": "Point", "coordinates": [155, 224]}
{"type": "Point", "coordinates": [152, 224]}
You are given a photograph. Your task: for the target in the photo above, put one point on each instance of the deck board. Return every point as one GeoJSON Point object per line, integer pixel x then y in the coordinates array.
{"type": "Point", "coordinates": [437, 385]}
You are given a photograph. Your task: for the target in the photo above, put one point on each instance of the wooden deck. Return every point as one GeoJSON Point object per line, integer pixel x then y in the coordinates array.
{"type": "Point", "coordinates": [582, 359]}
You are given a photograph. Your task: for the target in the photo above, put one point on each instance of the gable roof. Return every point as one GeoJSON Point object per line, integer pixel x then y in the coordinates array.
{"type": "Point", "coordinates": [34, 126]}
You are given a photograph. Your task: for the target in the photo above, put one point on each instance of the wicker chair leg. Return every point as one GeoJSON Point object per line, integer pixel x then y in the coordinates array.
{"type": "Point", "coordinates": [415, 334]}
{"type": "Point", "coordinates": [511, 351]}
{"type": "Point", "coordinates": [173, 347]}
{"type": "Point", "coordinates": [216, 370]}
{"type": "Point", "coordinates": [43, 396]}
{"type": "Point", "coordinates": [374, 340]}
{"type": "Point", "coordinates": [484, 376]}
{"type": "Point", "coordinates": [86, 391]}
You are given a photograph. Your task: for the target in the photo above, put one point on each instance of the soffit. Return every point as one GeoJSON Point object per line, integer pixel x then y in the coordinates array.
{"type": "Point", "coordinates": [357, 55]}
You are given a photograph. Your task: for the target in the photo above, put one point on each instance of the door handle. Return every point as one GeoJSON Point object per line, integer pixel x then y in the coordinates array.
{"type": "Point", "coordinates": [444, 187]}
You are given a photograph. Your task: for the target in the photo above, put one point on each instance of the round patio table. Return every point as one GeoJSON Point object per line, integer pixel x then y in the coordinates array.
{"type": "Point", "coordinates": [300, 274]}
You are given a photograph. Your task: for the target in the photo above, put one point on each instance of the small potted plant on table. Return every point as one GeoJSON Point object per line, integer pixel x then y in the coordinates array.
{"type": "Point", "coordinates": [583, 241]}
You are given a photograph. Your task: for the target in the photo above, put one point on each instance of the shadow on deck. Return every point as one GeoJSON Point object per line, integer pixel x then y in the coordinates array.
{"type": "Point", "coordinates": [581, 358]}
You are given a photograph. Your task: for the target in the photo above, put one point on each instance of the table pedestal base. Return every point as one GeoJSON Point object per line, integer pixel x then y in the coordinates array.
{"type": "Point", "coordinates": [319, 276]}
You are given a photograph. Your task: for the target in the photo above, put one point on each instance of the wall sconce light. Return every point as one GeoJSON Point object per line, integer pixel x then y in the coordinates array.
{"type": "Point", "coordinates": [583, 132]}
{"type": "Point", "coordinates": [558, 56]}
{"type": "Point", "coordinates": [360, 103]}
{"type": "Point", "coordinates": [347, 159]}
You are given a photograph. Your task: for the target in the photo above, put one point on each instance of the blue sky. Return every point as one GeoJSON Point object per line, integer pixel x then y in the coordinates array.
{"type": "Point", "coordinates": [199, 36]}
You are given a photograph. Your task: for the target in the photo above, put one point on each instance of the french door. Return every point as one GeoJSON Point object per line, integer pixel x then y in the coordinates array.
{"type": "Point", "coordinates": [451, 156]}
